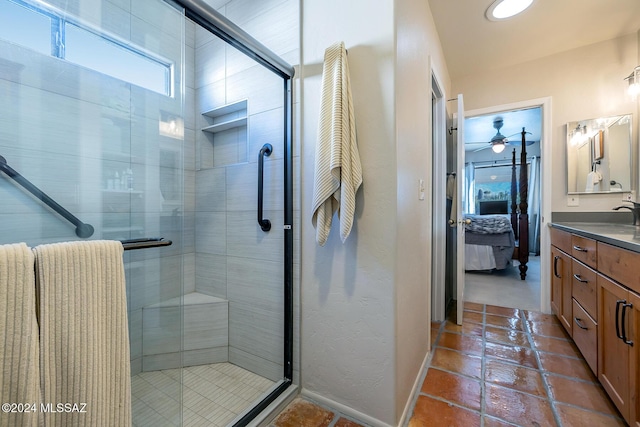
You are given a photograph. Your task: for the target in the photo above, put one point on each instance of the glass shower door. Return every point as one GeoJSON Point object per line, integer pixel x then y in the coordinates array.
{"type": "Point", "coordinates": [143, 124]}
{"type": "Point", "coordinates": [91, 112]}
{"type": "Point", "coordinates": [238, 174]}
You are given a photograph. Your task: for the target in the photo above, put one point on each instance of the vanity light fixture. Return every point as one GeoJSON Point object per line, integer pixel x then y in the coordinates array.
{"type": "Point", "coordinates": [504, 9]}
{"type": "Point", "coordinates": [579, 135]}
{"type": "Point", "coordinates": [633, 80]}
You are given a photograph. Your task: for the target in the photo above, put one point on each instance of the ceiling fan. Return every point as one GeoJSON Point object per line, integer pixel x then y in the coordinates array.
{"type": "Point", "coordinates": [499, 141]}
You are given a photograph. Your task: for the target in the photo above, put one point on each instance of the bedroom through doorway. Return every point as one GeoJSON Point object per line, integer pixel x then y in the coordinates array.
{"type": "Point", "coordinates": [493, 199]}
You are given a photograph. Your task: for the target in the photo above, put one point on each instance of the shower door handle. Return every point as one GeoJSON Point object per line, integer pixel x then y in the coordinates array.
{"type": "Point", "coordinates": [266, 150]}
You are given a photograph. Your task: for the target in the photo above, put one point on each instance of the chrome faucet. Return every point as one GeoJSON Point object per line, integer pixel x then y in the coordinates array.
{"type": "Point", "coordinates": [635, 210]}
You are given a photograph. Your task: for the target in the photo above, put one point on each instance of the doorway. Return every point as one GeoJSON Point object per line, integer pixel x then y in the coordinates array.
{"type": "Point", "coordinates": [541, 299]}
{"type": "Point", "coordinates": [492, 145]}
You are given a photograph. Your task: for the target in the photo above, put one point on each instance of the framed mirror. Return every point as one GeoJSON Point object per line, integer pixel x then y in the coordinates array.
{"type": "Point", "coordinates": [599, 155]}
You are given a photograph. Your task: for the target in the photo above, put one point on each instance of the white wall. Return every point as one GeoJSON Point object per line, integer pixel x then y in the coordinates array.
{"type": "Point", "coordinates": [584, 83]}
{"type": "Point", "coordinates": [366, 303]}
{"type": "Point", "coordinates": [417, 46]}
{"type": "Point", "coordinates": [348, 334]}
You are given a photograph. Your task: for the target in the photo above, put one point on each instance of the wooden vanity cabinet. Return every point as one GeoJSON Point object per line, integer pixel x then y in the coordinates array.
{"type": "Point", "coordinates": [595, 292]}
{"type": "Point", "coordinates": [613, 355]}
{"type": "Point", "coordinates": [561, 302]}
{"type": "Point", "coordinates": [619, 332]}
{"type": "Point", "coordinates": [634, 362]}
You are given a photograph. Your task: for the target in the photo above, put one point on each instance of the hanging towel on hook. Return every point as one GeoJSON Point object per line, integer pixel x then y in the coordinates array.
{"type": "Point", "coordinates": [338, 172]}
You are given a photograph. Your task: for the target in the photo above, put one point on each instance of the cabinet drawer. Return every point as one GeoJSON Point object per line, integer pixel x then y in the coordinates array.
{"type": "Point", "coordinates": [561, 240]}
{"type": "Point", "coordinates": [584, 287]}
{"type": "Point", "coordinates": [585, 250]}
{"type": "Point", "coordinates": [585, 335]}
{"type": "Point", "coordinates": [620, 264]}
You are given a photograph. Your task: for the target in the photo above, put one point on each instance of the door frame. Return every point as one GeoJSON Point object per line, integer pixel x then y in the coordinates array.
{"type": "Point", "coordinates": [545, 184]}
{"type": "Point", "coordinates": [439, 225]}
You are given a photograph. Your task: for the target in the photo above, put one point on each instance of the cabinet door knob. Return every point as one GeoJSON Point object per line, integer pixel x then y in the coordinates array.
{"type": "Point", "coordinates": [555, 266]}
{"type": "Point", "coordinates": [579, 278]}
{"type": "Point", "coordinates": [580, 249]}
{"type": "Point", "coordinates": [618, 304]}
{"type": "Point", "coordinates": [624, 327]}
{"type": "Point", "coordinates": [580, 324]}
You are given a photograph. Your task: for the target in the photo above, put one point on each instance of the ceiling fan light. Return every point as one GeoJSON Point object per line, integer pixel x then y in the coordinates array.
{"type": "Point", "coordinates": [503, 9]}
{"type": "Point", "coordinates": [497, 147]}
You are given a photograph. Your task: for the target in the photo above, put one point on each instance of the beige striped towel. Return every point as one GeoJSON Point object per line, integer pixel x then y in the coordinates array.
{"type": "Point", "coordinates": [338, 172]}
{"type": "Point", "coordinates": [84, 340]}
{"type": "Point", "coordinates": [19, 377]}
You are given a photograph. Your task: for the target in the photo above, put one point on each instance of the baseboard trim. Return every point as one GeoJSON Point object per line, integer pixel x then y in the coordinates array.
{"type": "Point", "coordinates": [415, 390]}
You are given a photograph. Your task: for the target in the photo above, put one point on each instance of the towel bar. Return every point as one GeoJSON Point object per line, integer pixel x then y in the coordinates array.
{"type": "Point", "coordinates": [144, 243]}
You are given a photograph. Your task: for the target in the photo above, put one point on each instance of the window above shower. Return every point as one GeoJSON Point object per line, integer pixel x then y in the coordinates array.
{"type": "Point", "coordinates": [51, 32]}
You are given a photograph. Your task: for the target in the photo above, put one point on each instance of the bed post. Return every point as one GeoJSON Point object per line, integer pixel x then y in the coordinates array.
{"type": "Point", "coordinates": [514, 195]}
{"type": "Point", "coordinates": [523, 220]}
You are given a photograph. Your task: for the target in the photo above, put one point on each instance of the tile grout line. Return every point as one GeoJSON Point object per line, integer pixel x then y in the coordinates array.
{"type": "Point", "coordinates": [450, 403]}
{"type": "Point", "coordinates": [547, 388]}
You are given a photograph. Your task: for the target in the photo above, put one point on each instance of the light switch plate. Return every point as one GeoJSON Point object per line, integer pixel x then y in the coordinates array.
{"type": "Point", "coordinates": [573, 200]}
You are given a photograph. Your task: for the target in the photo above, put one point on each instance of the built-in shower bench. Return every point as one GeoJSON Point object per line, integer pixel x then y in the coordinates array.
{"type": "Point", "coordinates": [206, 332]}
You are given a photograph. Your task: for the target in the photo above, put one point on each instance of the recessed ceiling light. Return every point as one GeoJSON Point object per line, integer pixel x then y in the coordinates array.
{"type": "Point", "coordinates": [503, 9]}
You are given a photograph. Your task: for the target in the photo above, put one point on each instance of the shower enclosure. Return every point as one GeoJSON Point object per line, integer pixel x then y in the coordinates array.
{"type": "Point", "coordinates": [151, 120]}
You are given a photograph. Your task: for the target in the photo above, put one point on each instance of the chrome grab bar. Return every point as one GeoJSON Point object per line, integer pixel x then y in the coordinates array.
{"type": "Point", "coordinates": [266, 150]}
{"type": "Point", "coordinates": [83, 230]}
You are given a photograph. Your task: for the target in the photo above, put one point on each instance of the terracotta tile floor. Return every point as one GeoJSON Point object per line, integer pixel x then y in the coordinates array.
{"type": "Point", "coordinates": [505, 367]}
{"type": "Point", "coordinates": [501, 367]}
{"type": "Point", "coordinates": [302, 413]}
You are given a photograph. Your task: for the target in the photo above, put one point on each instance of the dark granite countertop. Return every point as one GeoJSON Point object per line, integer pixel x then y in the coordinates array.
{"type": "Point", "coordinates": [621, 235]}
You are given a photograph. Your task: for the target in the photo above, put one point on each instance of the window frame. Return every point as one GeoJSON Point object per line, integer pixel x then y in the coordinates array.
{"type": "Point", "coordinates": [57, 42]}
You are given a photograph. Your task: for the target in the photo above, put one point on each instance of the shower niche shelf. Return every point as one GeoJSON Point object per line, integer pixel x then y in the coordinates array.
{"type": "Point", "coordinates": [223, 140]}
{"type": "Point", "coordinates": [226, 117]}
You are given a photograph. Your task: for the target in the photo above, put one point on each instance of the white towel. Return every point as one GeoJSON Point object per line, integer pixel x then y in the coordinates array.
{"type": "Point", "coordinates": [593, 179]}
{"type": "Point", "coordinates": [19, 350]}
{"type": "Point", "coordinates": [338, 172]}
{"type": "Point", "coordinates": [84, 339]}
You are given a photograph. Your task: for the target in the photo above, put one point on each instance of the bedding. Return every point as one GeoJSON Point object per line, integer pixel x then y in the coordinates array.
{"type": "Point", "coordinates": [488, 224]}
{"type": "Point", "coordinates": [494, 233]}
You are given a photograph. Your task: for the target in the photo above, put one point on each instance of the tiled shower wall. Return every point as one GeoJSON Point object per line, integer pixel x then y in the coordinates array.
{"type": "Point", "coordinates": [234, 259]}
{"type": "Point", "coordinates": [69, 130]}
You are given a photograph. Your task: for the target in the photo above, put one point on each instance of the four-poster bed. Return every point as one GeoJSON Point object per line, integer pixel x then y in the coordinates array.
{"type": "Point", "coordinates": [493, 240]}
{"type": "Point", "coordinates": [520, 221]}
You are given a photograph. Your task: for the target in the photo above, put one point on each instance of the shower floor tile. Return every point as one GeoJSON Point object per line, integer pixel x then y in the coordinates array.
{"type": "Point", "coordinates": [212, 395]}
